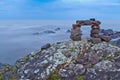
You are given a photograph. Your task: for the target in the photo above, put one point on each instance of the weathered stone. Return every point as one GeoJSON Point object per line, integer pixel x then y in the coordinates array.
{"type": "Point", "coordinates": [105, 38]}
{"type": "Point", "coordinates": [95, 31]}
{"type": "Point", "coordinates": [88, 22]}
{"type": "Point", "coordinates": [79, 69]}
{"type": "Point", "coordinates": [95, 27]}
{"type": "Point", "coordinates": [94, 35]}
{"type": "Point", "coordinates": [75, 34]}
{"type": "Point", "coordinates": [96, 40]}
{"type": "Point", "coordinates": [76, 26]}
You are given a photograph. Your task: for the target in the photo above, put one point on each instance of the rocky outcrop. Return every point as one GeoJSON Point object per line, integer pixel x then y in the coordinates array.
{"type": "Point", "coordinates": [70, 60]}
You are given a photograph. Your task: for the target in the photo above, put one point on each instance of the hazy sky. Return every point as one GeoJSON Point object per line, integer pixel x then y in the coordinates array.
{"type": "Point", "coordinates": [60, 9]}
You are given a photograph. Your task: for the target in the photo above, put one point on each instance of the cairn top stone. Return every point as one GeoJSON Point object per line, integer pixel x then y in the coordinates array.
{"type": "Point", "coordinates": [91, 21]}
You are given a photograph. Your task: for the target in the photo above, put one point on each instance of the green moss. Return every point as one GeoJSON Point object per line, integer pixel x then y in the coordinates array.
{"type": "Point", "coordinates": [72, 49]}
{"type": "Point", "coordinates": [54, 76]}
{"type": "Point", "coordinates": [1, 77]}
{"type": "Point", "coordinates": [80, 78]}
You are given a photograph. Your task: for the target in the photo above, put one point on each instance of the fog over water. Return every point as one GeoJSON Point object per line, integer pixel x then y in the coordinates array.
{"type": "Point", "coordinates": [20, 37]}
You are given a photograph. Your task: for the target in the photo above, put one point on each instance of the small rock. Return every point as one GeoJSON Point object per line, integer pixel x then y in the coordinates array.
{"type": "Point", "coordinates": [79, 69]}
{"type": "Point", "coordinates": [48, 32]}
{"type": "Point", "coordinates": [46, 46]}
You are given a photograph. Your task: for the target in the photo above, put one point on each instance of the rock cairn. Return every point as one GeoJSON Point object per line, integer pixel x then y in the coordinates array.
{"type": "Point", "coordinates": [95, 28]}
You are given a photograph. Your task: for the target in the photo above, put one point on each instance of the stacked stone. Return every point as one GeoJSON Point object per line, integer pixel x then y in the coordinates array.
{"type": "Point", "coordinates": [96, 38]}
{"type": "Point", "coordinates": [95, 33]}
{"type": "Point", "coordinates": [76, 32]}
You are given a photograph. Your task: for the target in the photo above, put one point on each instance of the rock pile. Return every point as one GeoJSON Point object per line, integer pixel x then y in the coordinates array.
{"type": "Point", "coordinates": [96, 38]}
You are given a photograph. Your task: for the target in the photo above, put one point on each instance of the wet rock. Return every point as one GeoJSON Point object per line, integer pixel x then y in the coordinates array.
{"type": "Point", "coordinates": [46, 46]}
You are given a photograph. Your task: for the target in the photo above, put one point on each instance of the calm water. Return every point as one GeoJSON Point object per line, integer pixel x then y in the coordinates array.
{"type": "Point", "coordinates": [17, 38]}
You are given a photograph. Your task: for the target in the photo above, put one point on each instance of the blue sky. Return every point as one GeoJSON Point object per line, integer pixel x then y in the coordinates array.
{"type": "Point", "coordinates": [60, 9]}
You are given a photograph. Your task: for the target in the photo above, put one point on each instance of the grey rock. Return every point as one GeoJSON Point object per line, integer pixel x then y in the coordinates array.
{"type": "Point", "coordinates": [79, 69]}
{"type": "Point", "coordinates": [46, 46]}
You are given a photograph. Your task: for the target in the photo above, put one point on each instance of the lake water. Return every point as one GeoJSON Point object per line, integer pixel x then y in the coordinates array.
{"type": "Point", "coordinates": [17, 38]}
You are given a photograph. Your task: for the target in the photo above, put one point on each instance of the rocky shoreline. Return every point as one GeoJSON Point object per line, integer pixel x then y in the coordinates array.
{"type": "Point", "coordinates": [69, 60]}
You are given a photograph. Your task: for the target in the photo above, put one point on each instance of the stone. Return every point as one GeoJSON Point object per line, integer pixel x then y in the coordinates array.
{"type": "Point", "coordinates": [49, 31]}
{"type": "Point", "coordinates": [76, 26]}
{"type": "Point", "coordinates": [95, 31]}
{"type": "Point", "coordinates": [94, 35]}
{"type": "Point", "coordinates": [107, 32]}
{"type": "Point", "coordinates": [117, 42]}
{"type": "Point", "coordinates": [46, 46]}
{"type": "Point", "coordinates": [92, 19]}
{"type": "Point", "coordinates": [88, 22]}
{"type": "Point", "coordinates": [75, 34]}
{"type": "Point", "coordinates": [95, 27]}
{"type": "Point", "coordinates": [105, 38]}
{"type": "Point", "coordinates": [79, 69]}
{"type": "Point", "coordinates": [96, 40]}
